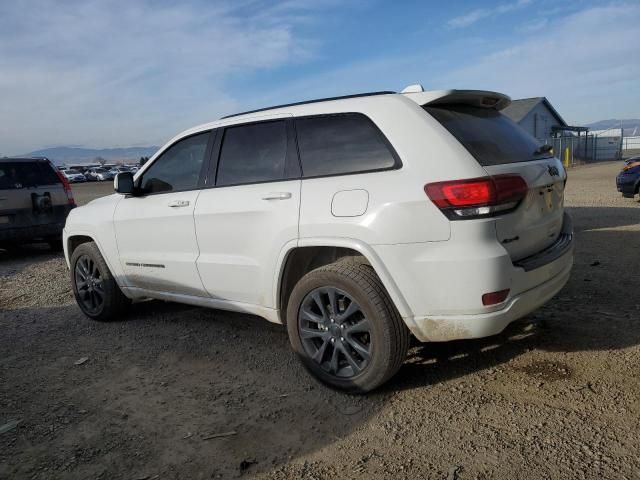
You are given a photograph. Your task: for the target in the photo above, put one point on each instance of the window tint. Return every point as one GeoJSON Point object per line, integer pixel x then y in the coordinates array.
{"type": "Point", "coordinates": [490, 137]}
{"type": "Point", "coordinates": [26, 174]}
{"type": "Point", "coordinates": [253, 153]}
{"type": "Point", "coordinates": [345, 143]}
{"type": "Point", "coordinates": [178, 168]}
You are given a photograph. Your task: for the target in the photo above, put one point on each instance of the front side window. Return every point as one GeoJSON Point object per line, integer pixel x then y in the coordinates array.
{"type": "Point", "coordinates": [178, 168]}
{"type": "Point", "coordinates": [339, 144]}
{"type": "Point", "coordinates": [253, 153]}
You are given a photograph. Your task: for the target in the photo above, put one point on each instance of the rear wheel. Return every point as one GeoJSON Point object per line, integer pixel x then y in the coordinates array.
{"type": "Point", "coordinates": [94, 287]}
{"type": "Point", "coordinates": [344, 327]}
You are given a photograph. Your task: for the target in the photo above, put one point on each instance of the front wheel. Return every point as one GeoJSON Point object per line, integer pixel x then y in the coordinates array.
{"type": "Point", "coordinates": [94, 287]}
{"type": "Point", "coordinates": [345, 328]}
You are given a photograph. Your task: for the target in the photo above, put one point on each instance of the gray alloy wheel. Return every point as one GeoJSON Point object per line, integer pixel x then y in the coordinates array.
{"type": "Point", "coordinates": [94, 287]}
{"type": "Point", "coordinates": [335, 332]}
{"type": "Point", "coordinates": [344, 327]}
{"type": "Point", "coordinates": [88, 280]}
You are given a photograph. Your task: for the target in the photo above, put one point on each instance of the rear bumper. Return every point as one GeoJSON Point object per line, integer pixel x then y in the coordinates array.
{"type": "Point", "coordinates": [20, 234]}
{"type": "Point", "coordinates": [24, 225]}
{"type": "Point", "coordinates": [443, 282]}
{"type": "Point", "coordinates": [456, 327]}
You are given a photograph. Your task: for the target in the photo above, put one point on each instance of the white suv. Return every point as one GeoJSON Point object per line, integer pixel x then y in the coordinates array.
{"type": "Point", "coordinates": [355, 221]}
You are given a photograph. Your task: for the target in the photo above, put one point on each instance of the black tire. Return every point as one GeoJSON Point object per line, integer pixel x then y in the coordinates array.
{"type": "Point", "coordinates": [112, 301]}
{"type": "Point", "coordinates": [388, 336]}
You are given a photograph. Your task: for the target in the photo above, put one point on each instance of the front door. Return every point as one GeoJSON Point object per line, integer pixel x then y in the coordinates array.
{"type": "Point", "coordinates": [155, 230]}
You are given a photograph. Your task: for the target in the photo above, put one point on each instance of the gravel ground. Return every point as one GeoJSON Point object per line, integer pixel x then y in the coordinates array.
{"type": "Point", "coordinates": [180, 392]}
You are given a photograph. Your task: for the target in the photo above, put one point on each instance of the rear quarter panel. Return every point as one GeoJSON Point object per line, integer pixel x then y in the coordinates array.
{"type": "Point", "coordinates": [398, 209]}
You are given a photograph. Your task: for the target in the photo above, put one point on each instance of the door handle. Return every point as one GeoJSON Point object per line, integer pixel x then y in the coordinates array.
{"type": "Point", "coordinates": [179, 203]}
{"type": "Point", "coordinates": [277, 196]}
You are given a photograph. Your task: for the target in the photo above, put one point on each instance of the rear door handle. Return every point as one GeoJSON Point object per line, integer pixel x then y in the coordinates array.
{"type": "Point", "coordinates": [277, 196]}
{"type": "Point", "coordinates": [179, 203]}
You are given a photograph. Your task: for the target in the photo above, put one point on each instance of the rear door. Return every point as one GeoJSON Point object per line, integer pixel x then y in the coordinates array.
{"type": "Point", "coordinates": [502, 147]}
{"type": "Point", "coordinates": [245, 221]}
{"type": "Point", "coordinates": [31, 194]}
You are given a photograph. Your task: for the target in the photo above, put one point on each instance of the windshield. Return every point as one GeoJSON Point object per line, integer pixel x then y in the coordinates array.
{"type": "Point", "coordinates": [15, 175]}
{"type": "Point", "coordinates": [491, 137]}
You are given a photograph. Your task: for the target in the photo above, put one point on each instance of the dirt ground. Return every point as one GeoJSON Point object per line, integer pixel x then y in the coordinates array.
{"type": "Point", "coordinates": [174, 392]}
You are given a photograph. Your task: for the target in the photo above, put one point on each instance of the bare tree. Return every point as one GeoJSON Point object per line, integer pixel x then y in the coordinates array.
{"type": "Point", "coordinates": [101, 160]}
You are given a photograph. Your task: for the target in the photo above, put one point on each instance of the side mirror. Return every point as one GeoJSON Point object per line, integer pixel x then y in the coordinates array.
{"type": "Point", "coordinates": [123, 183]}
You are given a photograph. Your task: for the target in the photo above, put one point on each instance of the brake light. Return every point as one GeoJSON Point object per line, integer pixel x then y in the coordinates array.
{"type": "Point", "coordinates": [65, 185]}
{"type": "Point", "coordinates": [494, 298]}
{"type": "Point", "coordinates": [477, 197]}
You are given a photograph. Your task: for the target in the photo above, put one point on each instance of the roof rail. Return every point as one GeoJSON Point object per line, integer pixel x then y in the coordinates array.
{"type": "Point", "coordinates": [328, 99]}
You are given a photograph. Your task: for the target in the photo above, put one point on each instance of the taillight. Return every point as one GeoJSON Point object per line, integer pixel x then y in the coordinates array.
{"type": "Point", "coordinates": [65, 184]}
{"type": "Point", "coordinates": [494, 298]}
{"type": "Point", "coordinates": [477, 197]}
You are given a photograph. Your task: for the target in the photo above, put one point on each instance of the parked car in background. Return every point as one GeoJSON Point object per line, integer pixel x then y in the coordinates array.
{"type": "Point", "coordinates": [35, 199]}
{"type": "Point", "coordinates": [628, 180]}
{"type": "Point", "coordinates": [99, 174]}
{"type": "Point", "coordinates": [355, 221]}
{"type": "Point", "coordinates": [73, 176]}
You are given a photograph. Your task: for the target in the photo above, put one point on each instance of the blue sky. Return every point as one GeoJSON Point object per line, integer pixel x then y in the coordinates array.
{"type": "Point", "coordinates": [121, 73]}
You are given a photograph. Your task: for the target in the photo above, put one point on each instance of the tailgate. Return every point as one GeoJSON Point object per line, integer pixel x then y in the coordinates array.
{"type": "Point", "coordinates": [501, 147]}
{"type": "Point", "coordinates": [537, 222]}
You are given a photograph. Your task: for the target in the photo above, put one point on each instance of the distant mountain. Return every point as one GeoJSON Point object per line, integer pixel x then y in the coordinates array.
{"type": "Point", "coordinates": [60, 155]}
{"type": "Point", "coordinates": [630, 125]}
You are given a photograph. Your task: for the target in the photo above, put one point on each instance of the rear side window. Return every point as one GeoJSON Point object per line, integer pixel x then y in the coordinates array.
{"type": "Point", "coordinates": [339, 144]}
{"type": "Point", "coordinates": [253, 153]}
{"type": "Point", "coordinates": [491, 137]}
{"type": "Point", "coordinates": [14, 175]}
{"type": "Point", "coordinates": [178, 168]}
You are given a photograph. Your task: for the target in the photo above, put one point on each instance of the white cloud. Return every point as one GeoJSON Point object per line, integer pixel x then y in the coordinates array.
{"type": "Point", "coordinates": [534, 25]}
{"type": "Point", "coordinates": [478, 14]}
{"type": "Point", "coordinates": [122, 72]}
{"type": "Point", "coordinates": [586, 63]}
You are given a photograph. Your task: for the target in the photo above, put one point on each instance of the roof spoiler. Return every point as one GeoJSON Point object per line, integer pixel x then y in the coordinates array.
{"type": "Point", "coordinates": [476, 98]}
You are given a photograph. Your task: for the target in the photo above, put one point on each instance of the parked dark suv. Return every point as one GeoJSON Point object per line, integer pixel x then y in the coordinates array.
{"type": "Point", "coordinates": [35, 199]}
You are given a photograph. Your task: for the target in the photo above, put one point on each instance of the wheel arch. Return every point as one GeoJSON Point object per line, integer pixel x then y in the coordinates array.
{"type": "Point", "coordinates": [74, 241]}
{"type": "Point", "coordinates": [310, 254]}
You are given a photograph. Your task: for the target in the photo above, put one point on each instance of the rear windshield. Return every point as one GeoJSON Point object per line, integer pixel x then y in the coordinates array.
{"type": "Point", "coordinates": [15, 175]}
{"type": "Point", "coordinates": [491, 137]}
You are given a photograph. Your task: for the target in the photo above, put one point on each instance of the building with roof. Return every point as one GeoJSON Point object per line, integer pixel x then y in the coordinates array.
{"type": "Point", "coordinates": [537, 116]}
